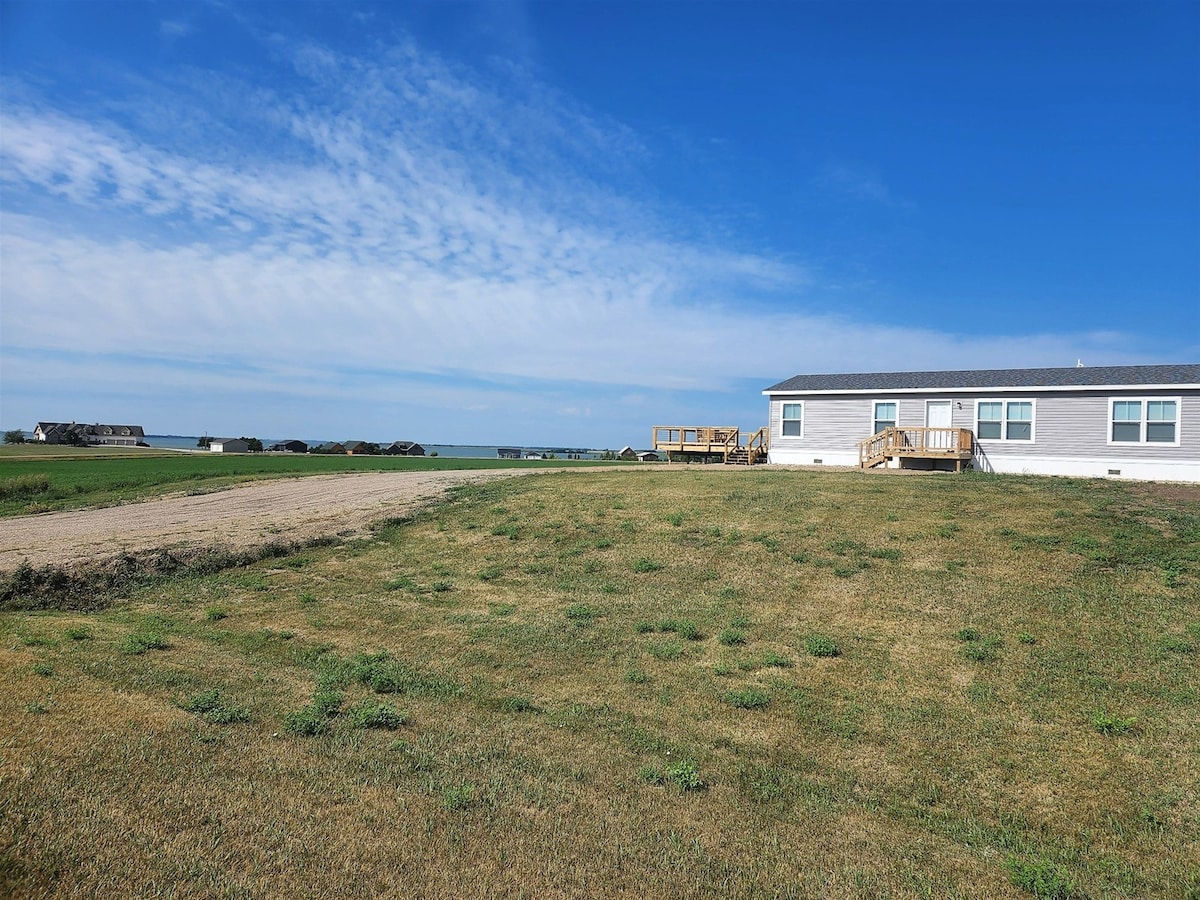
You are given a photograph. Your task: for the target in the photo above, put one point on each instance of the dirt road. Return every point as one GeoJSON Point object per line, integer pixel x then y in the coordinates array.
{"type": "Point", "coordinates": [248, 514]}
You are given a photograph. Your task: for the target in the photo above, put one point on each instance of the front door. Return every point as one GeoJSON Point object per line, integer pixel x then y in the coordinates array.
{"type": "Point", "coordinates": [938, 414]}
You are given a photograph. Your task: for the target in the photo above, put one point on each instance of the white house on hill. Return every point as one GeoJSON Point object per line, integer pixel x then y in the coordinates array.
{"type": "Point", "coordinates": [1108, 421]}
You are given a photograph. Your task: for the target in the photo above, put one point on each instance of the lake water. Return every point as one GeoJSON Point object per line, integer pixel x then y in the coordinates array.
{"type": "Point", "coordinates": [457, 451]}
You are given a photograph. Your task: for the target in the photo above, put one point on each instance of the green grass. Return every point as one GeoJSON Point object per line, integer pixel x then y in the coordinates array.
{"type": "Point", "coordinates": [34, 479]}
{"type": "Point", "coordinates": [317, 726]}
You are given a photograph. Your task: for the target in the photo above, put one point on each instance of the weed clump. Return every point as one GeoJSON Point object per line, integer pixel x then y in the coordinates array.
{"type": "Point", "coordinates": [373, 714]}
{"type": "Point", "coordinates": [213, 707]}
{"type": "Point", "coordinates": [644, 565]}
{"type": "Point", "coordinates": [1111, 725]}
{"type": "Point", "coordinates": [821, 646]}
{"type": "Point", "coordinates": [581, 613]}
{"type": "Point", "coordinates": [685, 629]}
{"type": "Point", "coordinates": [1042, 878]}
{"type": "Point", "coordinates": [748, 698]}
{"type": "Point", "coordinates": [458, 797]}
{"type": "Point", "coordinates": [138, 642]}
{"type": "Point", "coordinates": [732, 637]}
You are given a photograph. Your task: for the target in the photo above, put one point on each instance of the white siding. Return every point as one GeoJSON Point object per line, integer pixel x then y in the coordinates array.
{"type": "Point", "coordinates": [1070, 432]}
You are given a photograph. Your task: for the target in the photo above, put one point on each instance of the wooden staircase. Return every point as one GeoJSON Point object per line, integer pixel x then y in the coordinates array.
{"type": "Point", "coordinates": [957, 444]}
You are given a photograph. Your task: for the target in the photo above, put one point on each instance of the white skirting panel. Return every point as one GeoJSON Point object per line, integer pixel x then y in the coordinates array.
{"type": "Point", "coordinates": [1084, 467]}
{"type": "Point", "coordinates": [787, 456]}
{"type": "Point", "coordinates": [1079, 467]}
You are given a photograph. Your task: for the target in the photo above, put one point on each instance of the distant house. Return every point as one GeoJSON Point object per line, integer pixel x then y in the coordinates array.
{"type": "Point", "coordinates": [92, 435]}
{"type": "Point", "coordinates": [648, 456]}
{"type": "Point", "coordinates": [533, 454]}
{"type": "Point", "coordinates": [228, 445]}
{"type": "Point", "coordinates": [1104, 421]}
{"type": "Point", "coordinates": [404, 448]}
{"type": "Point", "coordinates": [627, 452]}
{"type": "Point", "coordinates": [353, 447]}
{"type": "Point", "coordinates": [289, 447]}
{"type": "Point", "coordinates": [508, 453]}
{"type": "Point", "coordinates": [331, 448]}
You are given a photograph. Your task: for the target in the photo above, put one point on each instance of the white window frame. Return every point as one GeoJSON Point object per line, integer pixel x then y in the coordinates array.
{"type": "Point", "coordinates": [1145, 401]}
{"type": "Point", "coordinates": [782, 408]}
{"type": "Point", "coordinates": [875, 418]}
{"type": "Point", "coordinates": [1004, 420]}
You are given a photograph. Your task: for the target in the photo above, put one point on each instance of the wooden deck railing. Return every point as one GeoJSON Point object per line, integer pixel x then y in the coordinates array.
{"type": "Point", "coordinates": [925, 443]}
{"type": "Point", "coordinates": [711, 440]}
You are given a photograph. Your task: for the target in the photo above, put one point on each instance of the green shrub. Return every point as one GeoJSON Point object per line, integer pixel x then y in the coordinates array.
{"type": "Point", "coordinates": [636, 676]}
{"type": "Point", "coordinates": [215, 614]}
{"type": "Point", "coordinates": [1042, 878]}
{"type": "Point", "coordinates": [821, 646]}
{"type": "Point", "coordinates": [732, 637]}
{"type": "Point", "coordinates": [1026, 638]}
{"type": "Point", "coordinates": [643, 565]}
{"type": "Point", "coordinates": [645, 627]}
{"type": "Point", "coordinates": [777, 660]}
{"type": "Point", "coordinates": [949, 530]}
{"type": "Point", "coordinates": [748, 698]}
{"type": "Point", "coordinates": [675, 519]}
{"type": "Point", "coordinates": [79, 633]}
{"type": "Point", "coordinates": [968, 634]}
{"type": "Point", "coordinates": [43, 668]}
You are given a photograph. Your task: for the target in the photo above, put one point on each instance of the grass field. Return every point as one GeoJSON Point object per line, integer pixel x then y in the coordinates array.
{"type": "Point", "coordinates": [36, 478]}
{"type": "Point", "coordinates": [642, 683]}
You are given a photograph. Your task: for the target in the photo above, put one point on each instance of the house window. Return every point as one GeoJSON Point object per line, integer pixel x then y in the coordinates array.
{"type": "Point", "coordinates": [1004, 420]}
{"type": "Point", "coordinates": [1018, 425]}
{"type": "Point", "coordinates": [990, 421]}
{"type": "Point", "coordinates": [793, 419]}
{"type": "Point", "coordinates": [1144, 421]}
{"type": "Point", "coordinates": [885, 415]}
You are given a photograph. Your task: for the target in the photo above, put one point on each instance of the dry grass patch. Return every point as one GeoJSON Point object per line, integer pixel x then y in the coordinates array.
{"type": "Point", "coordinates": [479, 735]}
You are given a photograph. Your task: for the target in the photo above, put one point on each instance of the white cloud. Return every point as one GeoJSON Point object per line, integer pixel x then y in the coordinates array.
{"type": "Point", "coordinates": [401, 219]}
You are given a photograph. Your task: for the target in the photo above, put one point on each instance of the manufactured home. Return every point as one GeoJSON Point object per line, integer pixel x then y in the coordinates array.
{"type": "Point", "coordinates": [1138, 422]}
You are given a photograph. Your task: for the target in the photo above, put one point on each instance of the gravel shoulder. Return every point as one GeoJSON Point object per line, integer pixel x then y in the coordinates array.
{"type": "Point", "coordinates": [242, 516]}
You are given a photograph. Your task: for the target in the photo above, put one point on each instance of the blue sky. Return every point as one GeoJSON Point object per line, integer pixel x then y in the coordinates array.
{"type": "Point", "coordinates": [565, 222]}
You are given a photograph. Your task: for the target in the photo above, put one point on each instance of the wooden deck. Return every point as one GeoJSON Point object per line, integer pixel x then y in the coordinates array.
{"type": "Point", "coordinates": [956, 444]}
{"type": "Point", "coordinates": [724, 441]}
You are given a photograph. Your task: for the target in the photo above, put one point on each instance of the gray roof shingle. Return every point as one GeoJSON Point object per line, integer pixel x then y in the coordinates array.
{"type": "Point", "coordinates": [1074, 376]}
